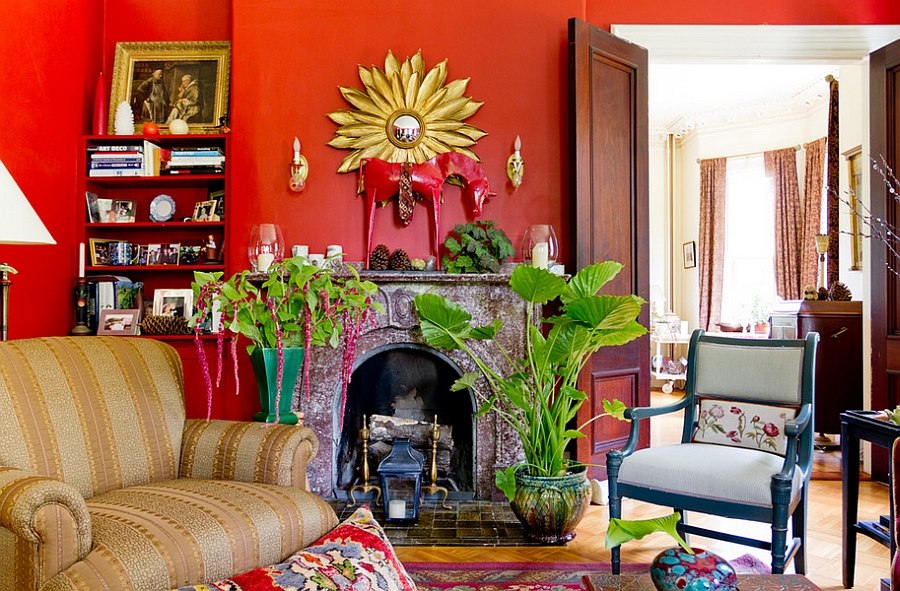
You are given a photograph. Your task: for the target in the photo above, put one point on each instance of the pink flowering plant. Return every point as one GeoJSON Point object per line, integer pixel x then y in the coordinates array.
{"type": "Point", "coordinates": [295, 304]}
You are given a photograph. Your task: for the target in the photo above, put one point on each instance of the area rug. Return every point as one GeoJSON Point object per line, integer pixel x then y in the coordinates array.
{"type": "Point", "coordinates": [531, 576]}
{"type": "Point", "coordinates": [507, 576]}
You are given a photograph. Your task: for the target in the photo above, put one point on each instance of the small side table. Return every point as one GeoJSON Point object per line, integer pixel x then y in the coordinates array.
{"type": "Point", "coordinates": [745, 583]}
{"type": "Point", "coordinates": [859, 425]}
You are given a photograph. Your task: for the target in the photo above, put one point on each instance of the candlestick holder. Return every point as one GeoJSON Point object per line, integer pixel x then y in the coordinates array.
{"type": "Point", "coordinates": [81, 311]}
{"type": "Point", "coordinates": [433, 488]}
{"type": "Point", "coordinates": [365, 487]}
{"type": "Point", "coordinates": [539, 246]}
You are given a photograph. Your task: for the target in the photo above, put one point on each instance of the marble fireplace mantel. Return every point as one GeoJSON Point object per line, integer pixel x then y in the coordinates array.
{"type": "Point", "coordinates": [485, 297]}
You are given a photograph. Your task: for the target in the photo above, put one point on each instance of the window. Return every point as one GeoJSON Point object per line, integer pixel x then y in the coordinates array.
{"type": "Point", "coordinates": [749, 274]}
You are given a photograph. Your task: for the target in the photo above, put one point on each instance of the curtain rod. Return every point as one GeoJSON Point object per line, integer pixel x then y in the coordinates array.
{"type": "Point", "coordinates": [796, 149]}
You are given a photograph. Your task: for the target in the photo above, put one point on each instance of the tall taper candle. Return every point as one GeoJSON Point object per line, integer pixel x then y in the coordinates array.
{"type": "Point", "coordinates": [81, 260]}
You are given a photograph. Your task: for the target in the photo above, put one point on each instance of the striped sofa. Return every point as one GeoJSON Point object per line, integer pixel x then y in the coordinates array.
{"type": "Point", "coordinates": [105, 485]}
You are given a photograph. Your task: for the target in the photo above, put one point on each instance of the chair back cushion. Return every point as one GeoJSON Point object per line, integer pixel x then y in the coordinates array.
{"type": "Point", "coordinates": [98, 413]}
{"type": "Point", "coordinates": [743, 424]}
{"type": "Point", "coordinates": [752, 372]}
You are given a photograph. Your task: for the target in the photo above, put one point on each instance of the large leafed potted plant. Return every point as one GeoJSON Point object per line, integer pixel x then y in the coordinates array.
{"type": "Point", "coordinates": [296, 306]}
{"type": "Point", "coordinates": [537, 396]}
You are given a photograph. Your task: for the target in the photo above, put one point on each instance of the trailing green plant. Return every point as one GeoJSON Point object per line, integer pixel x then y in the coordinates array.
{"type": "Point", "coordinates": [296, 305]}
{"type": "Point", "coordinates": [538, 395]}
{"type": "Point", "coordinates": [478, 247]}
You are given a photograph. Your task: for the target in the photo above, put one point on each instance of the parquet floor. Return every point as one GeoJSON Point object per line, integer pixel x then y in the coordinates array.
{"type": "Point", "coordinates": [824, 533]}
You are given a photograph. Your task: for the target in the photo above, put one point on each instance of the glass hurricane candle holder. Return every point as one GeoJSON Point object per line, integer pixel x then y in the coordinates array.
{"type": "Point", "coordinates": [539, 246]}
{"type": "Point", "coordinates": [266, 246]}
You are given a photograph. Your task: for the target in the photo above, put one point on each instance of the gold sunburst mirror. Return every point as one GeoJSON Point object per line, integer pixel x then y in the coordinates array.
{"type": "Point", "coordinates": [405, 114]}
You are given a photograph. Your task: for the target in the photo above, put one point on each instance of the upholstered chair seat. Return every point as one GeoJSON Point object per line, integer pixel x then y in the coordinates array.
{"type": "Point", "coordinates": [105, 485]}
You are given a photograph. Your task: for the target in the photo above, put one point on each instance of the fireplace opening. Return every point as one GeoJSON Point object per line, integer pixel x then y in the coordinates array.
{"type": "Point", "coordinates": [401, 387]}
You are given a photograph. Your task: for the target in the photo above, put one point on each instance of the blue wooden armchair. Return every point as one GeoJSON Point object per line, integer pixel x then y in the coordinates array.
{"type": "Point", "coordinates": [746, 446]}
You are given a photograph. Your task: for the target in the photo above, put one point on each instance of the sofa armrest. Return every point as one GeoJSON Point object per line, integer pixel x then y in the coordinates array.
{"type": "Point", "coordinates": [246, 451]}
{"type": "Point", "coordinates": [50, 524]}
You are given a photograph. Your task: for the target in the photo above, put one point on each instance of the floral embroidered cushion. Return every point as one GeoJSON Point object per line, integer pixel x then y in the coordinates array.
{"type": "Point", "coordinates": [743, 424]}
{"type": "Point", "coordinates": [354, 555]}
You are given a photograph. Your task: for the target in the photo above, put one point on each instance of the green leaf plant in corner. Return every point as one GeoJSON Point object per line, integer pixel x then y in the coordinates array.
{"type": "Point", "coordinates": [537, 394]}
{"type": "Point", "coordinates": [479, 247]}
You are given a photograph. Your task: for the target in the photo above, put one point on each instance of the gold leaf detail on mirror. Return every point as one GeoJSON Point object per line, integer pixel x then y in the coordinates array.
{"type": "Point", "coordinates": [405, 114]}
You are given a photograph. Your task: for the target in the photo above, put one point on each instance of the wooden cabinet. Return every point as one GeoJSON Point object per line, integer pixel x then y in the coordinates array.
{"type": "Point", "coordinates": [839, 362]}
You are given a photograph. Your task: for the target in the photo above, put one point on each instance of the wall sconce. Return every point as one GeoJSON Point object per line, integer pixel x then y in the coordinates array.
{"type": "Point", "coordinates": [821, 249]}
{"type": "Point", "coordinates": [299, 168]}
{"type": "Point", "coordinates": [515, 165]}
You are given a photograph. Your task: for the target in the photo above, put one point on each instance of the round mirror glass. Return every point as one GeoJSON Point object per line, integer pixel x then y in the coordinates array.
{"type": "Point", "coordinates": [404, 130]}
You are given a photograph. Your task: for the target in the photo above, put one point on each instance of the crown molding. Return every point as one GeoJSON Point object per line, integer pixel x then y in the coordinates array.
{"type": "Point", "coordinates": [832, 44]}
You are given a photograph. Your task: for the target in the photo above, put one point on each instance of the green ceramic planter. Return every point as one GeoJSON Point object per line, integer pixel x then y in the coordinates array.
{"type": "Point", "coordinates": [551, 507]}
{"type": "Point", "coordinates": [265, 367]}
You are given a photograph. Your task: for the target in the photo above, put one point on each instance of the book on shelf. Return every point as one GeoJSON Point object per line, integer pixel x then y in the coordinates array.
{"type": "Point", "coordinates": [197, 151]}
{"type": "Point", "coordinates": [197, 161]}
{"type": "Point", "coordinates": [116, 148]}
{"type": "Point", "coordinates": [113, 172]}
{"type": "Point", "coordinates": [123, 164]}
{"type": "Point", "coordinates": [113, 156]}
{"type": "Point", "coordinates": [193, 170]}
{"type": "Point", "coordinates": [111, 292]}
{"type": "Point", "coordinates": [152, 158]}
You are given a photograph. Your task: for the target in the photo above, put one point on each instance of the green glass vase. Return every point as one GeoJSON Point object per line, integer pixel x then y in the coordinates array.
{"type": "Point", "coordinates": [265, 367]}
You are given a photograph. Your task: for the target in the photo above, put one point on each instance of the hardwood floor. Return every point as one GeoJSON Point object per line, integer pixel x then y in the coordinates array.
{"type": "Point", "coordinates": [823, 535]}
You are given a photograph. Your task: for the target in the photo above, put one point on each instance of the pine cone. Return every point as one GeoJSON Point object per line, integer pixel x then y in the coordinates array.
{"type": "Point", "coordinates": [399, 260]}
{"type": "Point", "coordinates": [380, 257]}
{"type": "Point", "coordinates": [165, 325]}
{"type": "Point", "coordinates": [839, 292]}
{"type": "Point", "coordinates": [823, 293]}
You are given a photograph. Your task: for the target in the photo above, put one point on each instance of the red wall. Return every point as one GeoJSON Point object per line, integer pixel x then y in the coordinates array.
{"type": "Point", "coordinates": [288, 60]}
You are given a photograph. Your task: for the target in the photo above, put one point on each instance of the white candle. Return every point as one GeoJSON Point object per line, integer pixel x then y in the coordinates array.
{"type": "Point", "coordinates": [264, 260]}
{"type": "Point", "coordinates": [300, 250]}
{"type": "Point", "coordinates": [397, 509]}
{"type": "Point", "coordinates": [296, 150]}
{"type": "Point", "coordinates": [540, 255]}
{"type": "Point", "coordinates": [81, 260]}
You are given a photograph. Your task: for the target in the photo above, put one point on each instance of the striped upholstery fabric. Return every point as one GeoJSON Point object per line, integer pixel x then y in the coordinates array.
{"type": "Point", "coordinates": [104, 485]}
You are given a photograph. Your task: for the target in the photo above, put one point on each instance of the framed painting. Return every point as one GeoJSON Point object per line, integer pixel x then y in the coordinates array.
{"type": "Point", "coordinates": [690, 254]}
{"type": "Point", "coordinates": [164, 81]}
{"type": "Point", "coordinates": [173, 302]}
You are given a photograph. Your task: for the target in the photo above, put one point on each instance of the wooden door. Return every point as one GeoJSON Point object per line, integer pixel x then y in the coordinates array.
{"type": "Point", "coordinates": [884, 109]}
{"type": "Point", "coordinates": [608, 160]}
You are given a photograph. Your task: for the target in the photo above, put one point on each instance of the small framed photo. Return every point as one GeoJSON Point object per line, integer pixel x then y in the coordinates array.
{"type": "Point", "coordinates": [190, 255]}
{"type": "Point", "coordinates": [219, 197]}
{"type": "Point", "coordinates": [99, 251]}
{"type": "Point", "coordinates": [106, 213]}
{"type": "Point", "coordinates": [118, 322]}
{"type": "Point", "coordinates": [690, 254]}
{"type": "Point", "coordinates": [152, 254]}
{"type": "Point", "coordinates": [124, 211]}
{"type": "Point", "coordinates": [205, 211]}
{"type": "Point", "coordinates": [169, 253]}
{"type": "Point", "coordinates": [173, 302]}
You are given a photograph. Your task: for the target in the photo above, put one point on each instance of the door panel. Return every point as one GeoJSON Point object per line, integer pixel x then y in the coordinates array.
{"type": "Point", "coordinates": [608, 155]}
{"type": "Point", "coordinates": [884, 108]}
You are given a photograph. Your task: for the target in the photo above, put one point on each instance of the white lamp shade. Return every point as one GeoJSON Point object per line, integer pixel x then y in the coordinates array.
{"type": "Point", "coordinates": [19, 223]}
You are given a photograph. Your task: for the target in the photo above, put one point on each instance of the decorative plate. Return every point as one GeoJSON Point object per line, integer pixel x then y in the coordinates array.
{"type": "Point", "coordinates": [162, 208]}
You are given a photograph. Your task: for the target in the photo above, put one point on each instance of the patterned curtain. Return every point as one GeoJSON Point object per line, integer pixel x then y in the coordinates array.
{"type": "Point", "coordinates": [782, 165]}
{"type": "Point", "coordinates": [833, 179]}
{"type": "Point", "coordinates": [812, 211]}
{"type": "Point", "coordinates": [712, 240]}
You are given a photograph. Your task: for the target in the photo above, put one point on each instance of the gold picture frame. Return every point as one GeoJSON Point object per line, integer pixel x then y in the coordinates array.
{"type": "Point", "coordinates": [164, 80]}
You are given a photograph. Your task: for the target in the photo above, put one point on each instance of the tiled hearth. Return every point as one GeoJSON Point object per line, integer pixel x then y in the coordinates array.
{"type": "Point", "coordinates": [486, 297]}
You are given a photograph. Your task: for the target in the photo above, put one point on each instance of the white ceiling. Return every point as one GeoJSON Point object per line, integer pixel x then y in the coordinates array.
{"type": "Point", "coordinates": [685, 94]}
{"type": "Point", "coordinates": [711, 72]}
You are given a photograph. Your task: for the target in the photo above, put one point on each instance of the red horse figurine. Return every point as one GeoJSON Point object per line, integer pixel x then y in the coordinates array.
{"type": "Point", "coordinates": [380, 181]}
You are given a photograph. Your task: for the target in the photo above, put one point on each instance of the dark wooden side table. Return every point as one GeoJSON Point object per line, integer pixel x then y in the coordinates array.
{"type": "Point", "coordinates": [859, 425]}
{"type": "Point", "coordinates": [745, 583]}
